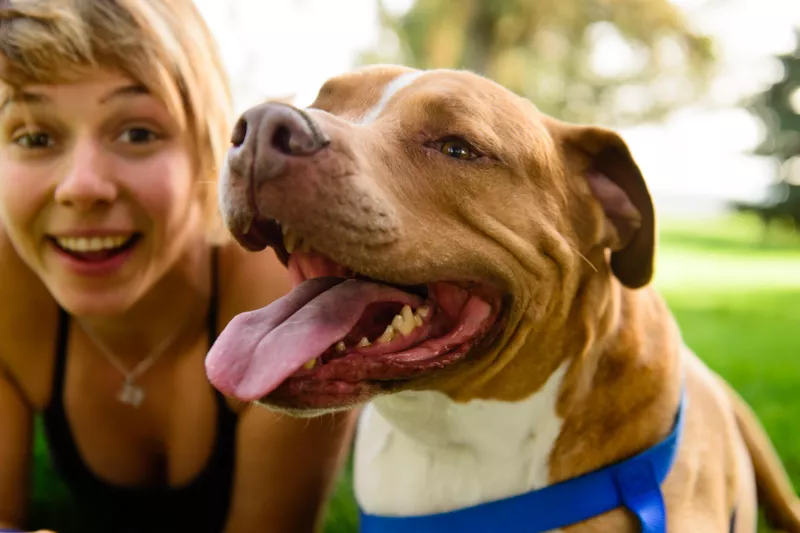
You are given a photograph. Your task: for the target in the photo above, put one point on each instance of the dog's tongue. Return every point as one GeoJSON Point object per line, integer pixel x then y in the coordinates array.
{"type": "Point", "coordinates": [258, 350]}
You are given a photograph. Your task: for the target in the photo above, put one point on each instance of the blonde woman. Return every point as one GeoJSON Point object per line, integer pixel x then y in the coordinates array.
{"type": "Point", "coordinates": [114, 116]}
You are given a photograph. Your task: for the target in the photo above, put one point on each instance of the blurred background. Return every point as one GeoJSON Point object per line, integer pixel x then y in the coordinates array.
{"type": "Point", "coordinates": [705, 92]}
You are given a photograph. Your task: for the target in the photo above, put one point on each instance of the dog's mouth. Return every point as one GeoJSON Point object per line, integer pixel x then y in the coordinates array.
{"type": "Point", "coordinates": [340, 337]}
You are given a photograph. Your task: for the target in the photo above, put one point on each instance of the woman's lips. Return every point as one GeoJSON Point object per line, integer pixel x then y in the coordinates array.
{"type": "Point", "coordinates": [96, 255]}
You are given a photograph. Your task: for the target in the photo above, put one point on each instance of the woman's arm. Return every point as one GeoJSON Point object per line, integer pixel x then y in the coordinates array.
{"type": "Point", "coordinates": [286, 469]}
{"type": "Point", "coordinates": [16, 421]}
{"type": "Point", "coordinates": [20, 295]}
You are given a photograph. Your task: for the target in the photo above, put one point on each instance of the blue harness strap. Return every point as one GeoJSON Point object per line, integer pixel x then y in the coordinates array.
{"type": "Point", "coordinates": [634, 483]}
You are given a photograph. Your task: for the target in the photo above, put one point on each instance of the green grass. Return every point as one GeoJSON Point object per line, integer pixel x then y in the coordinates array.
{"type": "Point", "coordinates": [736, 297]}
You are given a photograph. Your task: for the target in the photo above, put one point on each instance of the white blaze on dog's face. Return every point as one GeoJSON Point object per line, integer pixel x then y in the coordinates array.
{"type": "Point", "coordinates": [465, 221]}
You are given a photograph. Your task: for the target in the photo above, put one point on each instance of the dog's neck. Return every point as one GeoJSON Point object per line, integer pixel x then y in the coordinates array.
{"type": "Point", "coordinates": [422, 452]}
{"type": "Point", "coordinates": [487, 427]}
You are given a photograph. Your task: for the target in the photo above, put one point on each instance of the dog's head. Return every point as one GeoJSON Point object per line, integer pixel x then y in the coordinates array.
{"type": "Point", "coordinates": [434, 223]}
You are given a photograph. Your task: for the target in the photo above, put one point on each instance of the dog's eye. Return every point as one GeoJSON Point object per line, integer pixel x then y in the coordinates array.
{"type": "Point", "coordinates": [457, 149]}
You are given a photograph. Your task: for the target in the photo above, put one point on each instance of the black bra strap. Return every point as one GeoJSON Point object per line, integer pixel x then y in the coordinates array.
{"type": "Point", "coordinates": [59, 368]}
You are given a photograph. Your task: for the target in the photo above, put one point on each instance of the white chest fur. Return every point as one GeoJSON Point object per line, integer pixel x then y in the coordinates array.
{"type": "Point", "coordinates": [420, 452]}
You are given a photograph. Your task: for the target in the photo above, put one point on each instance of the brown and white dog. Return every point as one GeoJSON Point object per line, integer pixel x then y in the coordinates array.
{"type": "Point", "coordinates": [478, 272]}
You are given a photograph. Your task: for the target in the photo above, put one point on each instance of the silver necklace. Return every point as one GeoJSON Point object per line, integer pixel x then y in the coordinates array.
{"type": "Point", "coordinates": [131, 393]}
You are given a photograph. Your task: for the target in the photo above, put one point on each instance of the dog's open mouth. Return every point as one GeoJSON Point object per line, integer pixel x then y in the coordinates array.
{"type": "Point", "coordinates": [338, 335]}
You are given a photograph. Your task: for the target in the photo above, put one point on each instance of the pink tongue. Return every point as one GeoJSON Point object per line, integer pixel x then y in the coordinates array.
{"type": "Point", "coordinates": [259, 349]}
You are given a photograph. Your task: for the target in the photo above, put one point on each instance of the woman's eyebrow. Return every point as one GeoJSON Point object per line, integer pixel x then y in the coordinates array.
{"type": "Point", "coordinates": [30, 98]}
{"type": "Point", "coordinates": [23, 97]}
{"type": "Point", "coordinates": [124, 91]}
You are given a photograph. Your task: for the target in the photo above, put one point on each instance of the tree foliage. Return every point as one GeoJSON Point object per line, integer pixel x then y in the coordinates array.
{"type": "Point", "coordinates": [778, 107]}
{"type": "Point", "coordinates": [611, 61]}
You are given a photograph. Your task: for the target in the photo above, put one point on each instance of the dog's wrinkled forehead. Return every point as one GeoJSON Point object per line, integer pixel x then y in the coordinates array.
{"type": "Point", "coordinates": [365, 95]}
{"type": "Point", "coordinates": [439, 102]}
{"type": "Point", "coordinates": [353, 95]}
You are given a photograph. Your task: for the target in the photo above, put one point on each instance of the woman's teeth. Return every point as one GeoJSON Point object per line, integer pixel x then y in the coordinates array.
{"type": "Point", "coordinates": [92, 244]}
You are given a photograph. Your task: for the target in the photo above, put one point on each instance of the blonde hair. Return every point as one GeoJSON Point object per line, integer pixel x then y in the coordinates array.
{"type": "Point", "coordinates": [163, 44]}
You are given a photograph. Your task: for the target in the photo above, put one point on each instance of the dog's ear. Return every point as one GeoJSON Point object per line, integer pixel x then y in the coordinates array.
{"type": "Point", "coordinates": [618, 185]}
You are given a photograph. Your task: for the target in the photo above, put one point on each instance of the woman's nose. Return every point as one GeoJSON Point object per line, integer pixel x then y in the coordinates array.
{"type": "Point", "coordinates": [86, 182]}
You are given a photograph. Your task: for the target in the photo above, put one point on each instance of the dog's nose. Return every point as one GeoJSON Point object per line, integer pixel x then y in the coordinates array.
{"type": "Point", "coordinates": [267, 136]}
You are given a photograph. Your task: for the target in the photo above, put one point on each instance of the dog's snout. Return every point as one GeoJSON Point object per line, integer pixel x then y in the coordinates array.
{"type": "Point", "coordinates": [239, 132]}
{"type": "Point", "coordinates": [267, 135]}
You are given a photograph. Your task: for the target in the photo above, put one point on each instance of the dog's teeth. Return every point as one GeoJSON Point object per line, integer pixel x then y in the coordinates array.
{"type": "Point", "coordinates": [420, 314]}
{"type": "Point", "coordinates": [386, 336]}
{"type": "Point", "coordinates": [404, 322]}
{"type": "Point", "coordinates": [289, 241]}
{"type": "Point", "coordinates": [246, 222]}
{"type": "Point", "coordinates": [397, 322]}
{"type": "Point", "coordinates": [340, 347]}
{"type": "Point", "coordinates": [293, 242]}
{"type": "Point", "coordinates": [310, 364]}
{"type": "Point", "coordinates": [364, 342]}
{"type": "Point", "coordinates": [407, 313]}
{"type": "Point", "coordinates": [408, 320]}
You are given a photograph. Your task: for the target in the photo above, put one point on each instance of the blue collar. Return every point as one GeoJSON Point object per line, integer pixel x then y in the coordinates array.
{"type": "Point", "coordinates": [634, 483]}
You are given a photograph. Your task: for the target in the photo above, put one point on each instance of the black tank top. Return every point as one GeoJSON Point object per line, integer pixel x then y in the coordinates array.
{"type": "Point", "coordinates": [198, 506]}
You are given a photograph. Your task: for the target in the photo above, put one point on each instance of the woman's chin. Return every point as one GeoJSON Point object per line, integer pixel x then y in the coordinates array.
{"type": "Point", "coordinates": [86, 302]}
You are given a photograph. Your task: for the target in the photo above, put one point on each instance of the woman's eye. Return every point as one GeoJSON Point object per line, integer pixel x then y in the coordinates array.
{"type": "Point", "coordinates": [457, 149]}
{"type": "Point", "coordinates": [35, 140]}
{"type": "Point", "coordinates": [138, 136]}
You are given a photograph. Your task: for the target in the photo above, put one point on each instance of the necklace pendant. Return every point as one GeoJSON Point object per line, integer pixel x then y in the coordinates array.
{"type": "Point", "coordinates": [131, 394]}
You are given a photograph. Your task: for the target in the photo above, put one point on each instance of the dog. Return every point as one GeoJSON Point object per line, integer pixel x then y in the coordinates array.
{"type": "Point", "coordinates": [477, 275]}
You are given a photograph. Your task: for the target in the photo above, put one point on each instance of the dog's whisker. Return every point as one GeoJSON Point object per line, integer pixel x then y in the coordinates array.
{"type": "Point", "coordinates": [583, 257]}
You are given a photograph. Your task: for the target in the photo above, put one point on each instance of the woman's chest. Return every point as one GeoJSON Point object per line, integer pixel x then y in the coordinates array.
{"type": "Point", "coordinates": [157, 427]}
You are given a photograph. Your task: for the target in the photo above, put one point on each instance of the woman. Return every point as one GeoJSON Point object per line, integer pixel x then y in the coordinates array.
{"type": "Point", "coordinates": [113, 117]}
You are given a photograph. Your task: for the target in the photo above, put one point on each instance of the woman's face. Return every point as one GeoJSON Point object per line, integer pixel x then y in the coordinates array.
{"type": "Point", "coordinates": [96, 189]}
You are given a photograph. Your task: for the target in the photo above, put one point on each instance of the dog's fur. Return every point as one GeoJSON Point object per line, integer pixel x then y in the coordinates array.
{"type": "Point", "coordinates": [589, 366]}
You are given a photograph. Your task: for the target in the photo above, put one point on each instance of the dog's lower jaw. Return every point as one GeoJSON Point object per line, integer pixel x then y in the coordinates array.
{"type": "Point", "coordinates": [420, 452]}
{"type": "Point", "coordinates": [303, 413]}
{"type": "Point", "coordinates": [461, 379]}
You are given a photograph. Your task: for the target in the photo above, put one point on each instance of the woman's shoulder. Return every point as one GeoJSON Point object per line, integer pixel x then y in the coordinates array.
{"type": "Point", "coordinates": [28, 316]}
{"type": "Point", "coordinates": [249, 280]}
{"type": "Point", "coordinates": [26, 303]}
